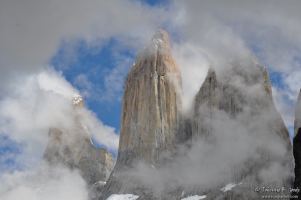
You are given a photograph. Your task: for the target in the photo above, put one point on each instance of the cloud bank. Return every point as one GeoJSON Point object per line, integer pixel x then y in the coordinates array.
{"type": "Point", "coordinates": [34, 96]}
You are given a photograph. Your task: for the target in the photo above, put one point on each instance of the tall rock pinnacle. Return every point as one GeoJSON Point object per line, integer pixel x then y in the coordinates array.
{"type": "Point", "coordinates": [240, 89]}
{"type": "Point", "coordinates": [236, 137]}
{"type": "Point", "coordinates": [151, 103]}
{"type": "Point", "coordinates": [151, 110]}
{"type": "Point", "coordinates": [72, 147]}
{"type": "Point", "coordinates": [239, 99]}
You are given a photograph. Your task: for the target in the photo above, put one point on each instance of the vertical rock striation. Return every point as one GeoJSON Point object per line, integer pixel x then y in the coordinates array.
{"type": "Point", "coordinates": [235, 123]}
{"type": "Point", "coordinates": [151, 112]}
{"type": "Point", "coordinates": [151, 104]}
{"type": "Point", "coordinates": [72, 148]}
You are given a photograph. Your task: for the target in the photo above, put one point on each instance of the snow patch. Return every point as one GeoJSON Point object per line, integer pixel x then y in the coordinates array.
{"type": "Point", "coordinates": [157, 41]}
{"type": "Point", "coordinates": [77, 99]}
{"type": "Point", "coordinates": [123, 197]}
{"type": "Point", "coordinates": [84, 126]}
{"type": "Point", "coordinates": [100, 182]}
{"type": "Point", "coordinates": [196, 197]}
{"type": "Point", "coordinates": [229, 187]}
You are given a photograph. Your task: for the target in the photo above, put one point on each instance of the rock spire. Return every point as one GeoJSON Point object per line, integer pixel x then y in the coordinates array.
{"type": "Point", "coordinates": [235, 120]}
{"type": "Point", "coordinates": [151, 110]}
{"type": "Point", "coordinates": [72, 148]}
{"type": "Point", "coordinates": [151, 103]}
{"type": "Point", "coordinates": [239, 99]}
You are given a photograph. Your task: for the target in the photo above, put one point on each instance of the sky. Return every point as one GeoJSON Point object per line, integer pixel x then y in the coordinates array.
{"type": "Point", "coordinates": [50, 50]}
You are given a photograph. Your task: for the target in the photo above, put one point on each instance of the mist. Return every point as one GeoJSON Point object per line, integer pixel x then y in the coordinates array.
{"type": "Point", "coordinates": [35, 96]}
{"type": "Point", "coordinates": [249, 148]}
{"type": "Point", "coordinates": [50, 183]}
{"type": "Point", "coordinates": [44, 100]}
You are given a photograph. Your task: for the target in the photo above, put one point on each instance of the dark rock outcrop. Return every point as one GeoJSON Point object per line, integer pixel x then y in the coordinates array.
{"type": "Point", "coordinates": [297, 156]}
{"type": "Point", "coordinates": [297, 123]}
{"type": "Point", "coordinates": [297, 146]}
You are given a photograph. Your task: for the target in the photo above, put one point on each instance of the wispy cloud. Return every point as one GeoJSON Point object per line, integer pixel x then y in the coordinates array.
{"type": "Point", "coordinates": [56, 183]}
{"type": "Point", "coordinates": [32, 97]}
{"type": "Point", "coordinates": [44, 100]}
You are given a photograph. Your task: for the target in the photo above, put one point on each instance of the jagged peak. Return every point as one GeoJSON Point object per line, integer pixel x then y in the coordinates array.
{"type": "Point", "coordinates": [161, 36]}
{"type": "Point", "coordinates": [158, 43]}
{"type": "Point", "coordinates": [245, 69]}
{"type": "Point", "coordinates": [157, 49]}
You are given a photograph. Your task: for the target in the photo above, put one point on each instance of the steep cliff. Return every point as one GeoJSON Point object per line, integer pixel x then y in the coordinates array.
{"type": "Point", "coordinates": [237, 140]}
{"type": "Point", "coordinates": [151, 103]}
{"type": "Point", "coordinates": [72, 148]}
{"type": "Point", "coordinates": [236, 102]}
{"type": "Point", "coordinates": [297, 146]}
{"type": "Point", "coordinates": [151, 112]}
{"type": "Point", "coordinates": [297, 124]}
{"type": "Point", "coordinates": [297, 156]}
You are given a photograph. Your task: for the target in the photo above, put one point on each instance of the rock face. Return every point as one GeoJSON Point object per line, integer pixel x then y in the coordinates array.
{"type": "Point", "coordinates": [297, 146]}
{"type": "Point", "coordinates": [234, 91]}
{"type": "Point", "coordinates": [151, 111]}
{"type": "Point", "coordinates": [236, 131]}
{"type": "Point", "coordinates": [239, 99]}
{"type": "Point", "coordinates": [73, 148]}
{"type": "Point", "coordinates": [297, 124]}
{"type": "Point", "coordinates": [297, 156]}
{"type": "Point", "coordinates": [151, 104]}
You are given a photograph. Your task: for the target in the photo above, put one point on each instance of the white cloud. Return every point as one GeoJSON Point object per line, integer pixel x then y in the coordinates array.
{"type": "Point", "coordinates": [193, 65]}
{"type": "Point", "coordinates": [44, 100]}
{"type": "Point", "coordinates": [62, 184]}
{"type": "Point", "coordinates": [31, 33]}
{"type": "Point", "coordinates": [293, 82]}
{"type": "Point", "coordinates": [32, 98]}
{"type": "Point", "coordinates": [115, 77]}
{"type": "Point", "coordinates": [286, 109]}
{"type": "Point", "coordinates": [103, 134]}
{"type": "Point", "coordinates": [85, 86]}
{"type": "Point", "coordinates": [224, 30]}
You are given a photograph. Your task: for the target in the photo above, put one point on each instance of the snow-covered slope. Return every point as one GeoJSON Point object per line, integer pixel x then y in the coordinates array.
{"type": "Point", "coordinates": [123, 197]}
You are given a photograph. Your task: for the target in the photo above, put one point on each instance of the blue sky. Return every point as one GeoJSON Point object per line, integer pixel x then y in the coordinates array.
{"type": "Point", "coordinates": [50, 50]}
{"type": "Point", "coordinates": [94, 65]}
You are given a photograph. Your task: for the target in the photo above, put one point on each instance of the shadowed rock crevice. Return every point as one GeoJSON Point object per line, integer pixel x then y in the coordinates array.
{"type": "Point", "coordinates": [297, 156]}
{"type": "Point", "coordinates": [297, 146]}
{"type": "Point", "coordinates": [297, 123]}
